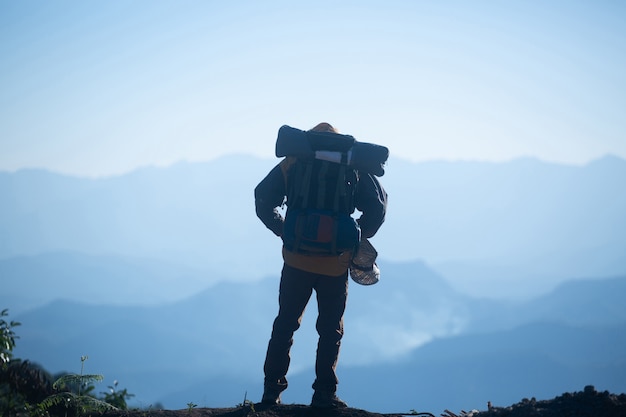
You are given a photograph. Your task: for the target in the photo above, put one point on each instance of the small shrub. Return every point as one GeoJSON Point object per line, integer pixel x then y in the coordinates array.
{"type": "Point", "coordinates": [7, 338]}
{"type": "Point", "coordinates": [117, 398]}
{"type": "Point", "coordinates": [81, 402]}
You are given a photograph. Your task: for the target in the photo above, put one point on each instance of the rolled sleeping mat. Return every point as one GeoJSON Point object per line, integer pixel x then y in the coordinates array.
{"type": "Point", "coordinates": [293, 142]}
{"type": "Point", "coordinates": [301, 144]}
{"type": "Point", "coordinates": [334, 147]}
{"type": "Point", "coordinates": [328, 141]}
{"type": "Point", "coordinates": [369, 157]}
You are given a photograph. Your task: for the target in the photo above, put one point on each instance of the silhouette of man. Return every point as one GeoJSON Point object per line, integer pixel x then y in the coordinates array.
{"type": "Point", "coordinates": [304, 272]}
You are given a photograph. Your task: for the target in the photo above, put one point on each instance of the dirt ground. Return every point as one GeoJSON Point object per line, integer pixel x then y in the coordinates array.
{"type": "Point", "coordinates": [586, 403]}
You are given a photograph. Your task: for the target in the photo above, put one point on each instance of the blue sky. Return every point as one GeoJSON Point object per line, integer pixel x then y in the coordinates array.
{"type": "Point", "coordinates": [101, 88]}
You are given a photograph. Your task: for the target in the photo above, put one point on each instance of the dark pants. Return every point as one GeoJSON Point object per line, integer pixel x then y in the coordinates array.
{"type": "Point", "coordinates": [296, 287]}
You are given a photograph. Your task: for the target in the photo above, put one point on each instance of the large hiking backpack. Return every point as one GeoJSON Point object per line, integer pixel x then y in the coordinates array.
{"type": "Point", "coordinates": [320, 201]}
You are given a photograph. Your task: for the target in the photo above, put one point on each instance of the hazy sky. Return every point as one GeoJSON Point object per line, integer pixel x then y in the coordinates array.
{"type": "Point", "coordinates": [102, 87]}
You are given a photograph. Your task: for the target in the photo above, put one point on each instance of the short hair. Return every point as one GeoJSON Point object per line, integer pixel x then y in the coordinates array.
{"type": "Point", "coordinates": [324, 127]}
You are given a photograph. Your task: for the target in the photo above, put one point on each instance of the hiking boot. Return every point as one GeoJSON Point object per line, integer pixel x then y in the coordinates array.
{"type": "Point", "coordinates": [272, 388]}
{"type": "Point", "coordinates": [327, 399]}
{"type": "Point", "coordinates": [270, 398]}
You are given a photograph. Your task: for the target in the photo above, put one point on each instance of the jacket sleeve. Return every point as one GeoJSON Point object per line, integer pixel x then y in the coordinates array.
{"type": "Point", "coordinates": [268, 196]}
{"type": "Point", "coordinates": [371, 201]}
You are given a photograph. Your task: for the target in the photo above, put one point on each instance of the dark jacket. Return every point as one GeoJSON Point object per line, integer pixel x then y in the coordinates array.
{"type": "Point", "coordinates": [370, 200]}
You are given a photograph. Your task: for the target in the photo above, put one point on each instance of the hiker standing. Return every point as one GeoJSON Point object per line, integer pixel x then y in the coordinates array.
{"type": "Point", "coordinates": [319, 240]}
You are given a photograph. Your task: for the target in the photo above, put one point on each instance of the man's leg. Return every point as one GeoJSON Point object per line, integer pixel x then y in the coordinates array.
{"type": "Point", "coordinates": [295, 291]}
{"type": "Point", "coordinates": [332, 293]}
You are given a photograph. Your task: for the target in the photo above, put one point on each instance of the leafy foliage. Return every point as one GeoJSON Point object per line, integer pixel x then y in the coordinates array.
{"type": "Point", "coordinates": [80, 401]}
{"type": "Point", "coordinates": [12, 374]}
{"type": "Point", "coordinates": [7, 338]}
{"type": "Point", "coordinates": [24, 384]}
{"type": "Point", "coordinates": [80, 383]}
{"type": "Point", "coordinates": [117, 398]}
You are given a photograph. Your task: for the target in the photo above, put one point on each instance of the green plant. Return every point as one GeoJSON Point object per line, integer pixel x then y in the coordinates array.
{"type": "Point", "coordinates": [22, 384]}
{"type": "Point", "coordinates": [7, 338]}
{"type": "Point", "coordinates": [117, 398]}
{"type": "Point", "coordinates": [80, 400]}
{"type": "Point", "coordinates": [27, 389]}
{"type": "Point", "coordinates": [191, 406]}
{"type": "Point", "coordinates": [11, 401]}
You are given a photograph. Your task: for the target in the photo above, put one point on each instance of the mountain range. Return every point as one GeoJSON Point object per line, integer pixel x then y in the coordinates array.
{"type": "Point", "coordinates": [498, 281]}
{"type": "Point", "coordinates": [492, 229]}
{"type": "Point", "coordinates": [411, 342]}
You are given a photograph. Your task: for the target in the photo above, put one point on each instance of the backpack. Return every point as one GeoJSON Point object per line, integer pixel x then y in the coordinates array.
{"type": "Point", "coordinates": [320, 201]}
{"type": "Point", "coordinates": [334, 147]}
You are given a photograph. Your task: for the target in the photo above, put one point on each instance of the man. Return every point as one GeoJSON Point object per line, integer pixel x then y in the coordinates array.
{"type": "Point", "coordinates": [303, 272]}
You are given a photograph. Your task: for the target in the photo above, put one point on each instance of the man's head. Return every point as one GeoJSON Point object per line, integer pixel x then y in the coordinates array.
{"type": "Point", "coordinates": [324, 127]}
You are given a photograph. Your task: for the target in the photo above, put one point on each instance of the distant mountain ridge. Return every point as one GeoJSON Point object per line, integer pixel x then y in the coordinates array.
{"type": "Point", "coordinates": [173, 214]}
{"type": "Point", "coordinates": [168, 281]}
{"type": "Point", "coordinates": [32, 281]}
{"type": "Point", "coordinates": [488, 227]}
{"type": "Point", "coordinates": [407, 337]}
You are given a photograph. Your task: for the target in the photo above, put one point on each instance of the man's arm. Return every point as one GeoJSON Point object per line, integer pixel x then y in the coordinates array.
{"type": "Point", "coordinates": [371, 200]}
{"type": "Point", "coordinates": [268, 195]}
